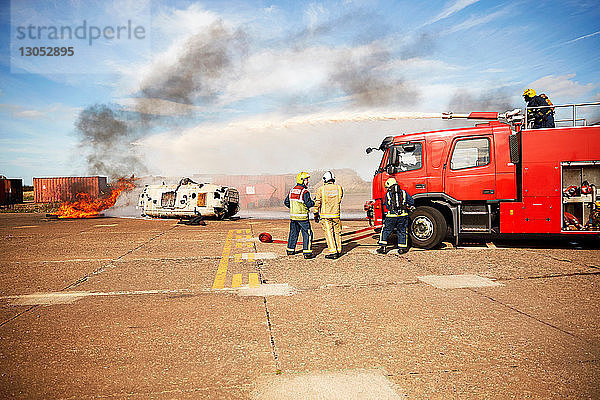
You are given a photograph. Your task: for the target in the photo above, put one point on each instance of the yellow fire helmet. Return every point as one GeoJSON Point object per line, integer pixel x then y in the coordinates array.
{"type": "Point", "coordinates": [390, 182]}
{"type": "Point", "coordinates": [529, 93]}
{"type": "Point", "coordinates": [301, 177]}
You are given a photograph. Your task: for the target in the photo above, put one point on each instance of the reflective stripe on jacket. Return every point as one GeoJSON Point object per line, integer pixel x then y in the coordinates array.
{"type": "Point", "coordinates": [328, 200]}
{"type": "Point", "coordinates": [407, 200]}
{"type": "Point", "coordinates": [298, 209]}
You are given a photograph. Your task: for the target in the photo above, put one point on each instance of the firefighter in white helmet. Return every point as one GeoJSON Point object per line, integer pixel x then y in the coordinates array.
{"type": "Point", "coordinates": [327, 210]}
{"type": "Point", "coordinates": [299, 203]}
{"type": "Point", "coordinates": [398, 203]}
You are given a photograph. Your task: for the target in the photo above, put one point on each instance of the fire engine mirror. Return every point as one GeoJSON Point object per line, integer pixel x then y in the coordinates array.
{"type": "Point", "coordinates": [369, 150]}
{"type": "Point", "coordinates": [387, 142]}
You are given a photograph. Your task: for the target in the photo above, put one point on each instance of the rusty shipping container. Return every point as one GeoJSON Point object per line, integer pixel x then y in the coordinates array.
{"type": "Point", "coordinates": [11, 191]}
{"type": "Point", "coordinates": [257, 190]}
{"type": "Point", "coordinates": [49, 190]}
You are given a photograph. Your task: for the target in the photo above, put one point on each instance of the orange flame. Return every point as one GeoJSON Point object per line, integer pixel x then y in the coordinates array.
{"type": "Point", "coordinates": [87, 207]}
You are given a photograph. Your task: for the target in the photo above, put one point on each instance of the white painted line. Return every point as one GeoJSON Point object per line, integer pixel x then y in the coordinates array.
{"type": "Point", "coordinates": [70, 297]}
{"type": "Point", "coordinates": [256, 256]}
{"type": "Point", "coordinates": [457, 281]}
{"type": "Point", "coordinates": [267, 289]}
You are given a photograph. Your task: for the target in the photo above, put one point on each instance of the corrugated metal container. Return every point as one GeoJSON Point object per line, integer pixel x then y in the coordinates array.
{"type": "Point", "coordinates": [49, 190]}
{"type": "Point", "coordinates": [11, 191]}
{"type": "Point", "coordinates": [257, 190]}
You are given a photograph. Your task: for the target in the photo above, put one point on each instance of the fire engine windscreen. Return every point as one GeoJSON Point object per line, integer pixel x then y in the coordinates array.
{"type": "Point", "coordinates": [405, 157]}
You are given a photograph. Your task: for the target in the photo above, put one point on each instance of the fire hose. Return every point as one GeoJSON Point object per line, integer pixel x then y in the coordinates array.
{"type": "Point", "coordinates": [266, 237]}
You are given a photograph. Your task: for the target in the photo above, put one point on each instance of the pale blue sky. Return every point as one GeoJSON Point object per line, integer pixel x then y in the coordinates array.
{"type": "Point", "coordinates": [282, 62]}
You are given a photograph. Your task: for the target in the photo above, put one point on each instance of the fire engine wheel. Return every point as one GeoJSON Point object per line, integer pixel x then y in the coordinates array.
{"type": "Point", "coordinates": [427, 227]}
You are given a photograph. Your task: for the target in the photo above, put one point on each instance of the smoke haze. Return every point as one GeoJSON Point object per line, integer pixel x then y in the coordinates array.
{"type": "Point", "coordinates": [197, 74]}
{"type": "Point", "coordinates": [493, 100]}
{"type": "Point", "coordinates": [164, 128]}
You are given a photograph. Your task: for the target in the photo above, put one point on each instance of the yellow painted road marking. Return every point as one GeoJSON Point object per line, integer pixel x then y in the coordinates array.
{"type": "Point", "coordinates": [238, 258]}
{"type": "Point", "coordinates": [253, 280]}
{"type": "Point", "coordinates": [26, 226]}
{"type": "Point", "coordinates": [219, 282]}
{"type": "Point", "coordinates": [237, 280]}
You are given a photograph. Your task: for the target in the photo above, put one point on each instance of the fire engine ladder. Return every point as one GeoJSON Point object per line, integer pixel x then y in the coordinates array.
{"type": "Point", "coordinates": [475, 218]}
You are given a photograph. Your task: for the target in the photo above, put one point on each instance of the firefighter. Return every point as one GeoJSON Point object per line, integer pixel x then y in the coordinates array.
{"type": "Point", "coordinates": [397, 202]}
{"type": "Point", "coordinates": [299, 203]}
{"type": "Point", "coordinates": [542, 117]}
{"type": "Point", "coordinates": [327, 210]}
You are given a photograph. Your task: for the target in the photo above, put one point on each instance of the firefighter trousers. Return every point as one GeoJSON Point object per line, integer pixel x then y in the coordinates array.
{"type": "Point", "coordinates": [307, 236]}
{"type": "Point", "coordinates": [400, 224]}
{"type": "Point", "coordinates": [333, 234]}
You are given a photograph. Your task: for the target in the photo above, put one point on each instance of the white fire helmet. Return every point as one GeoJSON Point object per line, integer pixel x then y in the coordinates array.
{"type": "Point", "coordinates": [328, 176]}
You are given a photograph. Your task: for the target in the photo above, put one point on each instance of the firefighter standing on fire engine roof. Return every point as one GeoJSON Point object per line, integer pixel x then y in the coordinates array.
{"type": "Point", "coordinates": [299, 203]}
{"type": "Point", "coordinates": [397, 202]}
{"type": "Point", "coordinates": [542, 117]}
{"type": "Point", "coordinates": [327, 209]}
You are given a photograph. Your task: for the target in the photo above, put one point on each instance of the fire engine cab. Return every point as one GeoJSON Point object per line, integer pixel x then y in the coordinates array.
{"type": "Point", "coordinates": [494, 178]}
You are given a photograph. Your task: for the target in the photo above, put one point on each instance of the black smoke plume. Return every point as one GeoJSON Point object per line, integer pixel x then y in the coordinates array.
{"type": "Point", "coordinates": [196, 76]}
{"type": "Point", "coordinates": [106, 135]}
{"type": "Point", "coordinates": [106, 132]}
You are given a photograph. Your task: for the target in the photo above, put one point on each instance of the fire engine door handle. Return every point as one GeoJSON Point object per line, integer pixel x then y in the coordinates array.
{"type": "Point", "coordinates": [488, 191]}
{"type": "Point", "coordinates": [419, 186]}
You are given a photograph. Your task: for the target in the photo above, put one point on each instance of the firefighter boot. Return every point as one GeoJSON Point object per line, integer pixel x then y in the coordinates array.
{"type": "Point", "coordinates": [332, 256]}
{"type": "Point", "coordinates": [308, 255]}
{"type": "Point", "coordinates": [402, 250]}
{"type": "Point", "coordinates": [381, 250]}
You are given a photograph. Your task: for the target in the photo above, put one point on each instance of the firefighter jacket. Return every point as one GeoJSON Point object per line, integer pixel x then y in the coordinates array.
{"type": "Point", "coordinates": [397, 202]}
{"type": "Point", "coordinates": [329, 197]}
{"type": "Point", "coordinates": [538, 113]}
{"type": "Point", "coordinates": [299, 202]}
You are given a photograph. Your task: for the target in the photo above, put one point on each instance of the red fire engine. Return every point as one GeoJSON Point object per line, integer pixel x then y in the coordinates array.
{"type": "Point", "coordinates": [494, 178]}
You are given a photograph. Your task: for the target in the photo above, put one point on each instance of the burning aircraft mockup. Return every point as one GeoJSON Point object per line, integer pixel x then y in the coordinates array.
{"type": "Point", "coordinates": [189, 199]}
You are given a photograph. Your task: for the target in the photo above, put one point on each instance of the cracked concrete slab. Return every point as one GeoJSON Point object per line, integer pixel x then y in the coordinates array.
{"type": "Point", "coordinates": [532, 337]}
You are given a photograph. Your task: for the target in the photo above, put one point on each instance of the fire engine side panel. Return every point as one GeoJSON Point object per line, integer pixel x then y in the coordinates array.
{"type": "Point", "coordinates": [532, 215]}
{"type": "Point", "coordinates": [543, 150]}
{"type": "Point", "coordinates": [506, 176]}
{"type": "Point", "coordinates": [472, 183]}
{"type": "Point", "coordinates": [436, 150]}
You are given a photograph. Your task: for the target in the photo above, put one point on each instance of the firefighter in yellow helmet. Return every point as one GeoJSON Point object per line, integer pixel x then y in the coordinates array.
{"type": "Point", "coordinates": [397, 203]}
{"type": "Point", "coordinates": [299, 203]}
{"type": "Point", "coordinates": [327, 210]}
{"type": "Point", "coordinates": [542, 117]}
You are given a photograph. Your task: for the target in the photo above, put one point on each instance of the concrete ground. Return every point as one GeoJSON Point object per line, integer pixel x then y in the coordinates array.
{"type": "Point", "coordinates": [126, 308]}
